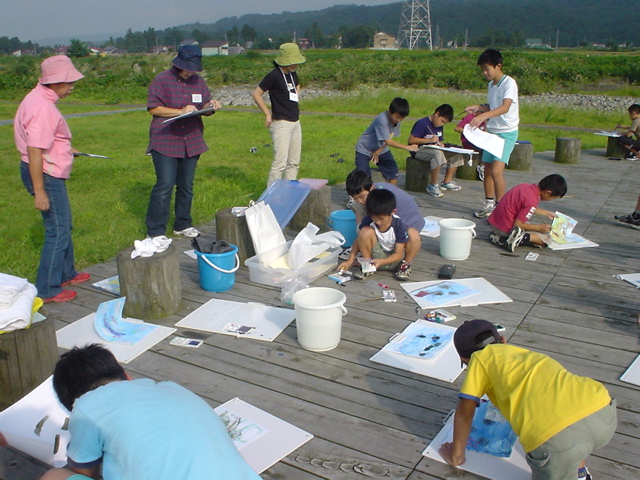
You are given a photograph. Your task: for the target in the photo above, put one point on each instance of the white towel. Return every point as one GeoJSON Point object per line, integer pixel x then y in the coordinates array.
{"type": "Point", "coordinates": [10, 288]}
{"type": "Point", "coordinates": [18, 315]}
{"type": "Point", "coordinates": [149, 246]}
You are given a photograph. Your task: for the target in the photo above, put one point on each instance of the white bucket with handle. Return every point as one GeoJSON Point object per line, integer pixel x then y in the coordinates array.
{"type": "Point", "coordinates": [319, 313]}
{"type": "Point", "coordinates": [455, 238]}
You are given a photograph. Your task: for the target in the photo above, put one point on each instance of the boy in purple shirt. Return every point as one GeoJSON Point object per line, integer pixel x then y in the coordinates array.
{"type": "Point", "coordinates": [509, 219]}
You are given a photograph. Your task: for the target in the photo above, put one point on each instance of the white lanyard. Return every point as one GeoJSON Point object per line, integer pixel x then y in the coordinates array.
{"type": "Point", "coordinates": [291, 87]}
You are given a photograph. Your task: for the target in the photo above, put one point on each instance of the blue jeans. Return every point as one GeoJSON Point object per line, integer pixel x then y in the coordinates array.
{"type": "Point", "coordinates": [170, 172]}
{"type": "Point", "coordinates": [56, 259]}
{"type": "Point", "coordinates": [386, 164]}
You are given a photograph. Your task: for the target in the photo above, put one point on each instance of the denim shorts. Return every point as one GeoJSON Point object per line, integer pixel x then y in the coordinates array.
{"type": "Point", "coordinates": [559, 457]}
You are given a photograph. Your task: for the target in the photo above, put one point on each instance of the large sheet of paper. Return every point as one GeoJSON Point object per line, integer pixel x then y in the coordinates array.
{"type": "Point", "coordinates": [513, 467]}
{"type": "Point", "coordinates": [227, 317]}
{"type": "Point", "coordinates": [632, 374]}
{"type": "Point", "coordinates": [577, 241]}
{"type": "Point", "coordinates": [608, 133]}
{"type": "Point", "coordinates": [632, 278]}
{"type": "Point", "coordinates": [464, 151]}
{"type": "Point", "coordinates": [485, 293]}
{"type": "Point", "coordinates": [82, 332]}
{"type": "Point", "coordinates": [262, 439]}
{"type": "Point", "coordinates": [37, 425]}
{"type": "Point", "coordinates": [445, 365]}
{"type": "Point", "coordinates": [484, 140]}
{"type": "Point", "coordinates": [431, 227]}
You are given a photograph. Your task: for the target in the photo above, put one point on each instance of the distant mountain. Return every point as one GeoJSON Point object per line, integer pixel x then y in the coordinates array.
{"type": "Point", "coordinates": [576, 20]}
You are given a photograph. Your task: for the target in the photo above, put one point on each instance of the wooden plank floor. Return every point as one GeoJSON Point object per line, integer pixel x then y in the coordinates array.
{"type": "Point", "coordinates": [373, 421]}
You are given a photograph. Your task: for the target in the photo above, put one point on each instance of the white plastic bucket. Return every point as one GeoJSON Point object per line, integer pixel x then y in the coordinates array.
{"type": "Point", "coordinates": [319, 313]}
{"type": "Point", "coordinates": [455, 238]}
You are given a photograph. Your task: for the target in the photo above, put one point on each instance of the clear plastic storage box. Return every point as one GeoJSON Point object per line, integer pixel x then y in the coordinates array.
{"type": "Point", "coordinates": [262, 269]}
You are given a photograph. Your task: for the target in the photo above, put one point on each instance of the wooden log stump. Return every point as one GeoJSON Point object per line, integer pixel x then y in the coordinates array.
{"type": "Point", "coordinates": [235, 230]}
{"type": "Point", "coordinates": [418, 175]}
{"type": "Point", "coordinates": [27, 358]}
{"type": "Point", "coordinates": [522, 157]}
{"type": "Point", "coordinates": [151, 284]}
{"type": "Point", "coordinates": [614, 149]}
{"type": "Point", "coordinates": [469, 172]}
{"type": "Point", "coordinates": [314, 209]}
{"type": "Point", "coordinates": [567, 150]}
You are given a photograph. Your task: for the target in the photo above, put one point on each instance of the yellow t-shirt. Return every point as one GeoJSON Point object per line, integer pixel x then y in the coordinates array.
{"type": "Point", "coordinates": [536, 394]}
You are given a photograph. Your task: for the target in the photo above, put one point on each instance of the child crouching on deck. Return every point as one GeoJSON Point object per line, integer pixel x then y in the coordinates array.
{"type": "Point", "coordinates": [509, 219]}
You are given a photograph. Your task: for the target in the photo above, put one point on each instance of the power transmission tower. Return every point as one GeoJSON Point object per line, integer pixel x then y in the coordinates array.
{"type": "Point", "coordinates": [415, 25]}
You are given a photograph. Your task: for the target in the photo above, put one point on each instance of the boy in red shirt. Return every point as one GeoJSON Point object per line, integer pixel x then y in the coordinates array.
{"type": "Point", "coordinates": [509, 219]}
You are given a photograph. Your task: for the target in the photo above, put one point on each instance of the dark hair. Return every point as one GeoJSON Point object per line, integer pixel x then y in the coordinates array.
{"type": "Point", "coordinates": [357, 181]}
{"type": "Point", "coordinates": [399, 105]}
{"type": "Point", "coordinates": [490, 56]}
{"type": "Point", "coordinates": [635, 108]}
{"type": "Point", "coordinates": [445, 111]}
{"type": "Point", "coordinates": [380, 202]}
{"type": "Point", "coordinates": [555, 183]}
{"type": "Point", "coordinates": [83, 369]}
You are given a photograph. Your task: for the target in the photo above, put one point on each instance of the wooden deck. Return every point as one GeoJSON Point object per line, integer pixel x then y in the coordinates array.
{"type": "Point", "coordinates": [373, 421]}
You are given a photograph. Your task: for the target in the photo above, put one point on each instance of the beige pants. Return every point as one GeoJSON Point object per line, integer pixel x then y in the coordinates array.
{"type": "Point", "coordinates": [287, 144]}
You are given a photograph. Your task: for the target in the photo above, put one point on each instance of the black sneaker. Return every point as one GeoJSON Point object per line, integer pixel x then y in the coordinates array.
{"type": "Point", "coordinates": [404, 272]}
{"type": "Point", "coordinates": [514, 239]}
{"type": "Point", "coordinates": [629, 220]}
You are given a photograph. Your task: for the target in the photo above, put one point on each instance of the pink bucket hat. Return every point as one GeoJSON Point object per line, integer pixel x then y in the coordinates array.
{"type": "Point", "coordinates": [58, 69]}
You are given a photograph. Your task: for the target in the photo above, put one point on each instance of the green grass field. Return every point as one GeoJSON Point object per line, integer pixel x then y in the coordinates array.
{"type": "Point", "coordinates": [109, 197]}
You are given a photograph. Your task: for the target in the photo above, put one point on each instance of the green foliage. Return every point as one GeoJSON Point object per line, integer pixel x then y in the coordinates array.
{"type": "Point", "coordinates": [77, 49]}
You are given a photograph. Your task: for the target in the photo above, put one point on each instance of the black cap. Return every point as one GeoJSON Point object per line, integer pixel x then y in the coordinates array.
{"type": "Point", "coordinates": [189, 58]}
{"type": "Point", "coordinates": [465, 337]}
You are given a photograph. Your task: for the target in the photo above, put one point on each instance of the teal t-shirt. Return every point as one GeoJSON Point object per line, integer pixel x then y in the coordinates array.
{"type": "Point", "coordinates": [142, 429]}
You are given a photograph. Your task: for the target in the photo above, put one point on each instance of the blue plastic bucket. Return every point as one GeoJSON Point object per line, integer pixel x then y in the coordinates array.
{"type": "Point", "coordinates": [218, 270]}
{"type": "Point", "coordinates": [344, 221]}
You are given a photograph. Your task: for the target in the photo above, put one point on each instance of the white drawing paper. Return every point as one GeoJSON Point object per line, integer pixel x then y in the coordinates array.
{"type": "Point", "coordinates": [431, 227]}
{"type": "Point", "coordinates": [445, 365]}
{"type": "Point", "coordinates": [242, 431]}
{"type": "Point", "coordinates": [487, 293]}
{"type": "Point", "coordinates": [111, 327]}
{"type": "Point", "coordinates": [608, 133]}
{"type": "Point", "coordinates": [491, 433]}
{"type": "Point", "coordinates": [82, 332]}
{"type": "Point", "coordinates": [484, 140]}
{"type": "Point", "coordinates": [632, 374]}
{"type": "Point", "coordinates": [443, 293]}
{"type": "Point", "coordinates": [421, 341]}
{"type": "Point", "coordinates": [513, 467]}
{"type": "Point", "coordinates": [36, 424]}
{"type": "Point", "coordinates": [213, 316]}
{"type": "Point", "coordinates": [277, 440]}
{"type": "Point", "coordinates": [109, 285]}
{"type": "Point", "coordinates": [464, 151]}
{"type": "Point", "coordinates": [632, 278]}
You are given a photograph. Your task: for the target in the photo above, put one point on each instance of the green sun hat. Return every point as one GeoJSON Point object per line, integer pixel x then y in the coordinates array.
{"type": "Point", "coordinates": [289, 55]}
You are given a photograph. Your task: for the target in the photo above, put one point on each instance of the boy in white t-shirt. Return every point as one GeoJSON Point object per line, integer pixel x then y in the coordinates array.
{"type": "Point", "coordinates": [502, 117]}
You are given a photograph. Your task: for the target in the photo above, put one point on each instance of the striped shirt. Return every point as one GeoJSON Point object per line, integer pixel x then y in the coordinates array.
{"type": "Point", "coordinates": [181, 138]}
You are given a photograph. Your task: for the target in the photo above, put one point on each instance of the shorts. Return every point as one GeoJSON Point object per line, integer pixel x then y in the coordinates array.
{"type": "Point", "coordinates": [559, 457]}
{"type": "Point", "coordinates": [379, 252]}
{"type": "Point", "coordinates": [510, 139]}
{"type": "Point", "coordinates": [497, 231]}
{"type": "Point", "coordinates": [386, 164]}
{"type": "Point", "coordinates": [78, 476]}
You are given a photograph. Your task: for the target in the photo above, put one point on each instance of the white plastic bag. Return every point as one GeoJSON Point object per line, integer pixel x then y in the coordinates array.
{"type": "Point", "coordinates": [263, 226]}
{"type": "Point", "coordinates": [307, 245]}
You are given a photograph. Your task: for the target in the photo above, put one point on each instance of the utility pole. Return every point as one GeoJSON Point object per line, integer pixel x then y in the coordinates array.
{"type": "Point", "coordinates": [415, 25]}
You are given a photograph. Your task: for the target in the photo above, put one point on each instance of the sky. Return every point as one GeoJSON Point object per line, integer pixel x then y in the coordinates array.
{"type": "Point", "coordinates": [38, 20]}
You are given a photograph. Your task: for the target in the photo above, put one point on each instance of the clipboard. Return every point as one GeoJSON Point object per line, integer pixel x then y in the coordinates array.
{"type": "Point", "coordinates": [195, 113]}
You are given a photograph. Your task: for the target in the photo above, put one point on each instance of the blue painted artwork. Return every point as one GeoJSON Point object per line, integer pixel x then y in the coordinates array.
{"type": "Point", "coordinates": [421, 341]}
{"type": "Point", "coordinates": [111, 327]}
{"type": "Point", "coordinates": [442, 293]}
{"type": "Point", "coordinates": [490, 432]}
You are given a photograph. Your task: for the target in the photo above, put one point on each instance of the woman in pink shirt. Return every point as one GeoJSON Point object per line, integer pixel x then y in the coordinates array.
{"type": "Point", "coordinates": [43, 139]}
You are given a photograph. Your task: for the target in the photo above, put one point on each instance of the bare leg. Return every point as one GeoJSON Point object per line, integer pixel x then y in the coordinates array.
{"type": "Point", "coordinates": [435, 174]}
{"type": "Point", "coordinates": [448, 176]}
{"type": "Point", "coordinates": [413, 245]}
{"type": "Point", "coordinates": [366, 241]}
{"type": "Point", "coordinates": [489, 189]}
{"type": "Point", "coordinates": [499, 185]}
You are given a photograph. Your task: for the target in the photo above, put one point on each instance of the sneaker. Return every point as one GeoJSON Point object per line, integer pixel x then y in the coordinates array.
{"type": "Point", "coordinates": [480, 170]}
{"type": "Point", "coordinates": [434, 191]}
{"type": "Point", "coordinates": [586, 475]}
{"type": "Point", "coordinates": [497, 239]}
{"type": "Point", "coordinates": [345, 253]}
{"type": "Point", "coordinates": [514, 239]}
{"type": "Point", "coordinates": [404, 272]}
{"type": "Point", "coordinates": [631, 157]}
{"type": "Point", "coordinates": [187, 232]}
{"type": "Point", "coordinates": [80, 278]}
{"type": "Point", "coordinates": [629, 220]}
{"type": "Point", "coordinates": [486, 210]}
{"type": "Point", "coordinates": [454, 187]}
{"type": "Point", "coordinates": [63, 296]}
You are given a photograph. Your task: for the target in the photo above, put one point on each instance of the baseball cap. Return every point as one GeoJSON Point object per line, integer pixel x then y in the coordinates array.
{"type": "Point", "coordinates": [465, 336]}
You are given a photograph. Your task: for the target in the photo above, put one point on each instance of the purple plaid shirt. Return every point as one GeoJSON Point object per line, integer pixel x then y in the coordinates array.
{"type": "Point", "coordinates": [182, 138]}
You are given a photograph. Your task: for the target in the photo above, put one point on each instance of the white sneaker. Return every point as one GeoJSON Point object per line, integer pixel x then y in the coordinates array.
{"type": "Point", "coordinates": [187, 232]}
{"type": "Point", "coordinates": [514, 239]}
{"type": "Point", "coordinates": [434, 191]}
{"type": "Point", "coordinates": [486, 211]}
{"type": "Point", "coordinates": [480, 170]}
{"type": "Point", "coordinates": [454, 187]}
